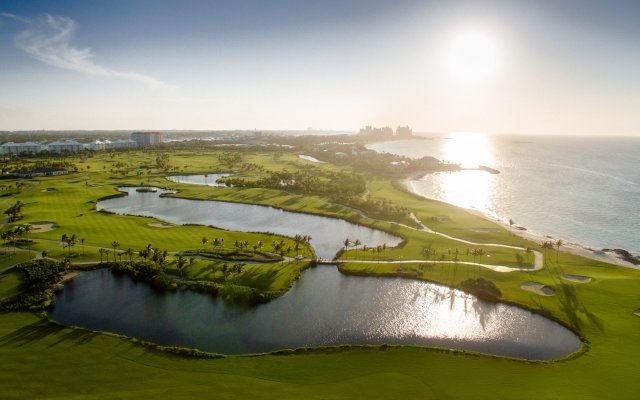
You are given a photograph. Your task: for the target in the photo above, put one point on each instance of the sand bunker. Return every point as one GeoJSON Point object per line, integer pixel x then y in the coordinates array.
{"type": "Point", "coordinates": [49, 190]}
{"type": "Point", "coordinates": [160, 224]}
{"type": "Point", "coordinates": [537, 288]}
{"type": "Point", "coordinates": [576, 278]}
{"type": "Point", "coordinates": [485, 230]}
{"type": "Point", "coordinates": [39, 227]}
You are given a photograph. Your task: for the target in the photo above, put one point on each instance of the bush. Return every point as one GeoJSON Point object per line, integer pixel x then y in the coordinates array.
{"type": "Point", "coordinates": [39, 278]}
{"type": "Point", "coordinates": [482, 288]}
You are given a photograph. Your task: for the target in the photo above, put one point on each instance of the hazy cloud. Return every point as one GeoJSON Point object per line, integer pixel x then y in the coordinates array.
{"type": "Point", "coordinates": [49, 40]}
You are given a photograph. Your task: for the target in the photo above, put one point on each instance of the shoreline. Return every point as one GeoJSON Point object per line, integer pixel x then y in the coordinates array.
{"type": "Point", "coordinates": [573, 248]}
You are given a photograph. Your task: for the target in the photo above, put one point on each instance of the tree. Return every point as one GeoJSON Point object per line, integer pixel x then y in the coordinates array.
{"type": "Point", "coordinates": [129, 252]}
{"type": "Point", "coordinates": [204, 241]}
{"type": "Point", "coordinates": [115, 245]}
{"type": "Point", "coordinates": [346, 243]}
{"type": "Point", "coordinates": [356, 244]}
{"type": "Point", "coordinates": [101, 251]}
{"type": "Point", "coordinates": [82, 243]}
{"type": "Point", "coordinates": [558, 244]}
{"type": "Point", "coordinates": [511, 222]}
{"type": "Point", "coordinates": [64, 239]}
{"type": "Point", "coordinates": [181, 264]}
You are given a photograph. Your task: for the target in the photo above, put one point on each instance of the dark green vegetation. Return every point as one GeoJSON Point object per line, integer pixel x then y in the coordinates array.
{"type": "Point", "coordinates": [43, 359]}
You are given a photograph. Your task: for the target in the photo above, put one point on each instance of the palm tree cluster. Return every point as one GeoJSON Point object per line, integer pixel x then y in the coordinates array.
{"type": "Point", "coordinates": [15, 211]}
{"type": "Point", "coordinates": [347, 243]}
{"type": "Point", "coordinates": [157, 256]}
{"type": "Point", "coordinates": [550, 245]}
{"type": "Point", "coordinates": [69, 241]}
{"type": "Point", "coordinates": [17, 232]}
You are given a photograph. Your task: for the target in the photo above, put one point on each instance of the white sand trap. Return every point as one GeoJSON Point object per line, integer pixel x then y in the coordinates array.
{"type": "Point", "coordinates": [39, 227]}
{"type": "Point", "coordinates": [485, 230]}
{"type": "Point", "coordinates": [576, 278]}
{"type": "Point", "coordinates": [49, 190]}
{"type": "Point", "coordinates": [637, 312]}
{"type": "Point", "coordinates": [160, 224]}
{"type": "Point", "coordinates": [537, 288]}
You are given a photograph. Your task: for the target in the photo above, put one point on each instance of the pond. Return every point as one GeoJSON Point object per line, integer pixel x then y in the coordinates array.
{"type": "Point", "coordinates": [327, 233]}
{"type": "Point", "coordinates": [206, 180]}
{"type": "Point", "coordinates": [324, 307]}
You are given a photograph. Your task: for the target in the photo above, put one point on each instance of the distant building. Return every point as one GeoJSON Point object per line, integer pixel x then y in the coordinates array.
{"type": "Point", "coordinates": [97, 145]}
{"type": "Point", "coordinates": [369, 130]}
{"type": "Point", "coordinates": [21, 148]}
{"type": "Point", "coordinates": [144, 139]}
{"type": "Point", "coordinates": [123, 144]}
{"type": "Point", "coordinates": [40, 172]}
{"type": "Point", "coordinates": [68, 145]}
{"type": "Point", "coordinates": [404, 131]}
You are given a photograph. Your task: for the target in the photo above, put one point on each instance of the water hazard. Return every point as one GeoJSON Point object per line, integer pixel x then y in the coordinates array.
{"type": "Point", "coordinates": [327, 233]}
{"type": "Point", "coordinates": [324, 307]}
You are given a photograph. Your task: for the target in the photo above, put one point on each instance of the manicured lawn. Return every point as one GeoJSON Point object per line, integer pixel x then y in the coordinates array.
{"type": "Point", "coordinates": [10, 282]}
{"type": "Point", "coordinates": [43, 360]}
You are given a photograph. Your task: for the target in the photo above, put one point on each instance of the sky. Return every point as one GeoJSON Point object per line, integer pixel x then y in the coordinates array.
{"type": "Point", "coordinates": [547, 67]}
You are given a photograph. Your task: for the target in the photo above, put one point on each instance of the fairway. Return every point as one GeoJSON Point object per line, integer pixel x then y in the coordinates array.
{"type": "Point", "coordinates": [101, 365]}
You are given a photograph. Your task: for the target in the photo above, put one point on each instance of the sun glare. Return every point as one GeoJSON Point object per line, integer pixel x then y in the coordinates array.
{"type": "Point", "coordinates": [472, 57]}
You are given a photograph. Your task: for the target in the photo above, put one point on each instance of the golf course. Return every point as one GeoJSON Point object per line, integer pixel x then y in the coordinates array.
{"type": "Point", "coordinates": [87, 219]}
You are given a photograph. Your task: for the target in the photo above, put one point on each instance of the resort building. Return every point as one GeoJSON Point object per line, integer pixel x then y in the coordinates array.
{"type": "Point", "coordinates": [123, 144]}
{"type": "Point", "coordinates": [97, 145]}
{"type": "Point", "coordinates": [21, 148]}
{"type": "Point", "coordinates": [68, 145]}
{"type": "Point", "coordinates": [144, 139]}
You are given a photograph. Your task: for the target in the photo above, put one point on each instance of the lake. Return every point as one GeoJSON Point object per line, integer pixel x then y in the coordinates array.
{"type": "Point", "coordinates": [324, 308]}
{"type": "Point", "coordinates": [327, 233]}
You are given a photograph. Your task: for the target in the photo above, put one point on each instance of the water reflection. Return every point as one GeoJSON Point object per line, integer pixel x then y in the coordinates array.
{"type": "Point", "coordinates": [326, 233]}
{"type": "Point", "coordinates": [470, 188]}
{"type": "Point", "coordinates": [469, 149]}
{"type": "Point", "coordinates": [206, 179]}
{"type": "Point", "coordinates": [323, 308]}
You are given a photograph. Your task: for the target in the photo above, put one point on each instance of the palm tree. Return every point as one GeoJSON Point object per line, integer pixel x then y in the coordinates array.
{"type": "Point", "coordinates": [27, 229]}
{"type": "Point", "coordinates": [72, 241]}
{"type": "Point", "coordinates": [82, 243]}
{"type": "Point", "coordinates": [558, 244]}
{"type": "Point", "coordinates": [346, 243]}
{"type": "Point", "coordinates": [101, 251]}
{"type": "Point", "coordinates": [129, 252]}
{"type": "Point", "coordinates": [64, 239]}
{"type": "Point", "coordinates": [511, 222]}
{"type": "Point", "coordinates": [204, 241]}
{"type": "Point", "coordinates": [181, 263]}
{"type": "Point", "coordinates": [356, 244]}
{"type": "Point", "coordinates": [115, 245]}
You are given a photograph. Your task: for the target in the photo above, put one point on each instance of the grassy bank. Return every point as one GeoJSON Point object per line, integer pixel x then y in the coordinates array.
{"type": "Point", "coordinates": [44, 360]}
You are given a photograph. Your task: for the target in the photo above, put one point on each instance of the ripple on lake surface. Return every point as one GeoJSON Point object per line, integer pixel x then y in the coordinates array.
{"type": "Point", "coordinates": [327, 233]}
{"type": "Point", "coordinates": [324, 307]}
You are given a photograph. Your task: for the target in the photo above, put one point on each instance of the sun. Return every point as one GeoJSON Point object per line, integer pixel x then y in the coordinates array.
{"type": "Point", "coordinates": [472, 57]}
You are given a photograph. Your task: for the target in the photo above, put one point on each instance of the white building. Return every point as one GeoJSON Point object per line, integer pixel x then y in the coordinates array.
{"type": "Point", "coordinates": [123, 144]}
{"type": "Point", "coordinates": [97, 145]}
{"type": "Point", "coordinates": [67, 145]}
{"type": "Point", "coordinates": [20, 148]}
{"type": "Point", "coordinates": [144, 139]}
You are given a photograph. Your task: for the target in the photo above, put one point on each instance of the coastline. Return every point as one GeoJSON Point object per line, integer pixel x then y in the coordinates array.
{"type": "Point", "coordinates": [573, 248]}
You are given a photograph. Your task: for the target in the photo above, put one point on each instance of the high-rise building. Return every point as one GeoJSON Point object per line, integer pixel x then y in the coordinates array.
{"type": "Point", "coordinates": [144, 139]}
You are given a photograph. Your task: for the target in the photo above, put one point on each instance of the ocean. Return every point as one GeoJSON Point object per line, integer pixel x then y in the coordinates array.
{"type": "Point", "coordinates": [583, 190]}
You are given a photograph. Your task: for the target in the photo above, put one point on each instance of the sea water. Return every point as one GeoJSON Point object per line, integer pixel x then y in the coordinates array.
{"type": "Point", "coordinates": [584, 190]}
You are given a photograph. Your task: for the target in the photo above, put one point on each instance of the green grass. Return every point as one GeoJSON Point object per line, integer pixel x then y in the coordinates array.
{"type": "Point", "coordinates": [10, 282]}
{"type": "Point", "coordinates": [41, 359]}
{"type": "Point", "coordinates": [271, 277]}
